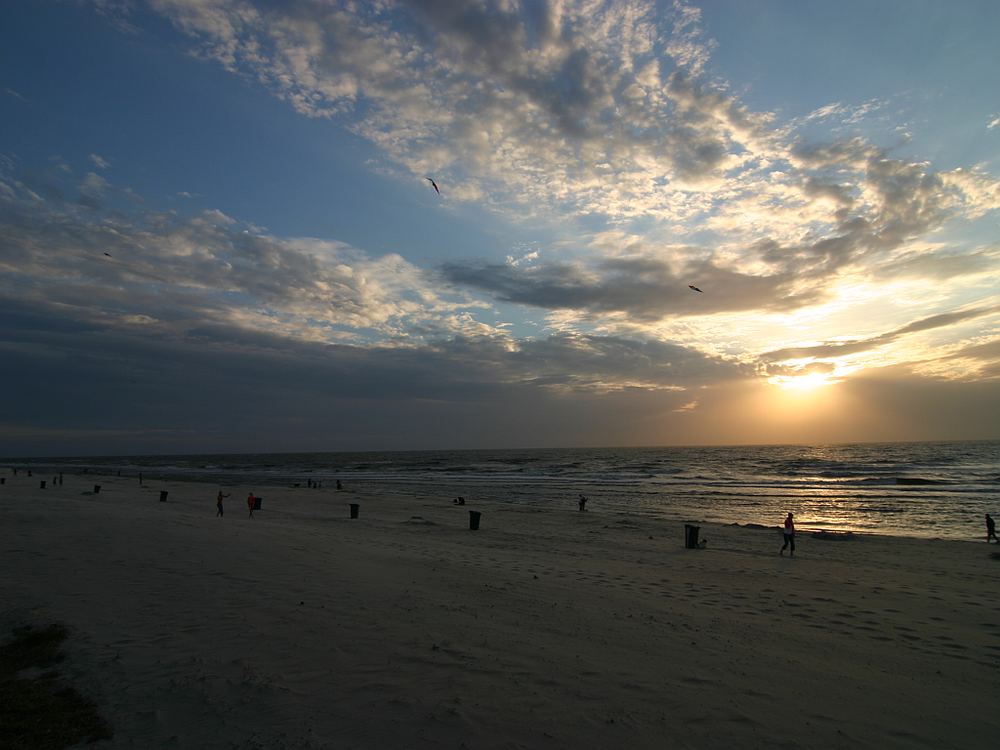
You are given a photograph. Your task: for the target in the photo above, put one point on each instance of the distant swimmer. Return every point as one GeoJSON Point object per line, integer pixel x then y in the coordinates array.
{"type": "Point", "coordinates": [435, 186]}
{"type": "Point", "coordinates": [695, 288]}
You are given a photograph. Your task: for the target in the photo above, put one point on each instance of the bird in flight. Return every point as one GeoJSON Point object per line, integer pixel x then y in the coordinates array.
{"type": "Point", "coordinates": [435, 186]}
{"type": "Point", "coordinates": [695, 288]}
{"type": "Point", "coordinates": [108, 254]}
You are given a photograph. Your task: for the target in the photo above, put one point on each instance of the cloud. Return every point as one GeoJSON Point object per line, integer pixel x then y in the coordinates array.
{"type": "Point", "coordinates": [520, 103]}
{"type": "Point", "coordinates": [644, 286]}
{"type": "Point", "coordinates": [841, 348]}
{"type": "Point", "coordinates": [208, 280]}
{"type": "Point", "coordinates": [16, 95]}
{"type": "Point", "coordinates": [92, 191]}
{"type": "Point", "coordinates": [99, 161]}
{"type": "Point", "coordinates": [590, 109]}
{"type": "Point", "coordinates": [994, 122]}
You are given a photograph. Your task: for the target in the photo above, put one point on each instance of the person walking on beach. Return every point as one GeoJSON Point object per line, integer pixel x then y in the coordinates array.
{"type": "Point", "coordinates": [789, 534]}
{"type": "Point", "coordinates": [251, 501]}
{"type": "Point", "coordinates": [991, 529]}
{"type": "Point", "coordinates": [218, 503]}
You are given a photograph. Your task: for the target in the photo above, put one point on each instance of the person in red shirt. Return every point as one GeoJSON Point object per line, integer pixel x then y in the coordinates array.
{"type": "Point", "coordinates": [789, 534]}
{"type": "Point", "coordinates": [251, 500]}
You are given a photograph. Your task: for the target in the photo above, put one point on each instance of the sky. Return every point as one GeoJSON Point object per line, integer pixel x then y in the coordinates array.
{"type": "Point", "coordinates": [217, 231]}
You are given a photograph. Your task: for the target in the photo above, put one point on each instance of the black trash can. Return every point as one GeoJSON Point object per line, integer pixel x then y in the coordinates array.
{"type": "Point", "coordinates": [691, 536]}
{"type": "Point", "coordinates": [97, 488]}
{"type": "Point", "coordinates": [163, 496]}
{"type": "Point", "coordinates": [41, 485]}
{"type": "Point", "coordinates": [354, 510]}
{"type": "Point", "coordinates": [256, 502]}
{"type": "Point", "coordinates": [474, 519]}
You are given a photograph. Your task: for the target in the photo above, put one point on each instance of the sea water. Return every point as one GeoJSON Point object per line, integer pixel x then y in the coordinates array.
{"type": "Point", "coordinates": [907, 489]}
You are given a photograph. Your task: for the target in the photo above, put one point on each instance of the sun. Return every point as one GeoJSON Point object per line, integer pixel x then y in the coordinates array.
{"type": "Point", "coordinates": [804, 383]}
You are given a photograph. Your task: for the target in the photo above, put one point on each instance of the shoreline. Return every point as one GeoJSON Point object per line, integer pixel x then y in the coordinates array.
{"type": "Point", "coordinates": [419, 487]}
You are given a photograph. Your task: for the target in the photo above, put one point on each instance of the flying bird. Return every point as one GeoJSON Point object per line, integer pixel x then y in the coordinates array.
{"type": "Point", "coordinates": [108, 254]}
{"type": "Point", "coordinates": [695, 288]}
{"type": "Point", "coordinates": [435, 186]}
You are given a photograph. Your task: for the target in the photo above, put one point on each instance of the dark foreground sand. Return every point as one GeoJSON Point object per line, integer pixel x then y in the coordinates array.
{"type": "Point", "coordinates": [302, 628]}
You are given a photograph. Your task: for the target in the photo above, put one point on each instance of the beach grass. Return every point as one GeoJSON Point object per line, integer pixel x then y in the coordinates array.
{"type": "Point", "coordinates": [38, 709]}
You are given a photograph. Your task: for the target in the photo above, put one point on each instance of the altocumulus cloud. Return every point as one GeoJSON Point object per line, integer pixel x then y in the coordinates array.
{"type": "Point", "coordinates": [205, 304]}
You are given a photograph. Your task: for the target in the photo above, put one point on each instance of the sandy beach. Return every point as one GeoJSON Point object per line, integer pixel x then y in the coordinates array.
{"type": "Point", "coordinates": [304, 628]}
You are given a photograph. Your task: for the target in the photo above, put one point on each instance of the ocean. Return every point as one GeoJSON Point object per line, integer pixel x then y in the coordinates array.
{"type": "Point", "coordinates": [904, 489]}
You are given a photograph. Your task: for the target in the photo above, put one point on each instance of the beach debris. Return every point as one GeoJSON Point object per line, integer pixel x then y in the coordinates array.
{"type": "Point", "coordinates": [434, 185]}
{"type": "Point", "coordinates": [691, 533]}
{"type": "Point", "coordinates": [691, 286]}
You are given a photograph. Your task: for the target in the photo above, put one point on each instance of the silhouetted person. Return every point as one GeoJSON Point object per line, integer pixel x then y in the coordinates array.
{"type": "Point", "coordinates": [251, 501]}
{"type": "Point", "coordinates": [218, 503]}
{"type": "Point", "coordinates": [991, 529]}
{"type": "Point", "coordinates": [339, 485]}
{"type": "Point", "coordinates": [583, 503]}
{"type": "Point", "coordinates": [789, 534]}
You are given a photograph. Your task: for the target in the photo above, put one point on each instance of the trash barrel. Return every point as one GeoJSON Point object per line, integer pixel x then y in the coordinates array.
{"type": "Point", "coordinates": [474, 519]}
{"type": "Point", "coordinates": [97, 488]}
{"type": "Point", "coordinates": [163, 496]}
{"type": "Point", "coordinates": [3, 480]}
{"type": "Point", "coordinates": [256, 502]}
{"type": "Point", "coordinates": [354, 510]}
{"type": "Point", "coordinates": [41, 485]}
{"type": "Point", "coordinates": [691, 536]}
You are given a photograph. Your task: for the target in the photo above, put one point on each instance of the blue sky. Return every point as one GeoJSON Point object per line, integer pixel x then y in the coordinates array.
{"type": "Point", "coordinates": [216, 231]}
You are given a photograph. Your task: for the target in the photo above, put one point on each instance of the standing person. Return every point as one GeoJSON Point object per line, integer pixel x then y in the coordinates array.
{"type": "Point", "coordinates": [250, 503]}
{"type": "Point", "coordinates": [991, 529]}
{"type": "Point", "coordinates": [218, 503]}
{"type": "Point", "coordinates": [789, 534]}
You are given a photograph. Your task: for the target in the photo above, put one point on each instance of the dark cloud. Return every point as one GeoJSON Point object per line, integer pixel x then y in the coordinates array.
{"type": "Point", "coordinates": [939, 265]}
{"type": "Point", "coordinates": [988, 352]}
{"type": "Point", "coordinates": [226, 386]}
{"type": "Point", "coordinates": [646, 288]}
{"type": "Point", "coordinates": [840, 348]}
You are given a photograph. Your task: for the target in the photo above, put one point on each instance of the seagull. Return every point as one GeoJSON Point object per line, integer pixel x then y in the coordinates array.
{"type": "Point", "coordinates": [435, 186]}
{"type": "Point", "coordinates": [695, 288]}
{"type": "Point", "coordinates": [108, 254]}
